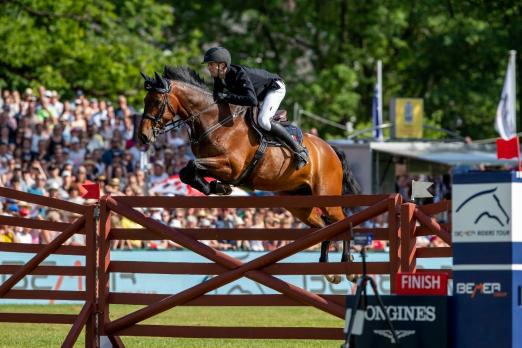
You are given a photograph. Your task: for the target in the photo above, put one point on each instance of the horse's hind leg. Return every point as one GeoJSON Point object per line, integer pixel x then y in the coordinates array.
{"type": "Point", "coordinates": [345, 256]}
{"type": "Point", "coordinates": [325, 245]}
{"type": "Point", "coordinates": [335, 214]}
{"type": "Point", "coordinates": [313, 218]}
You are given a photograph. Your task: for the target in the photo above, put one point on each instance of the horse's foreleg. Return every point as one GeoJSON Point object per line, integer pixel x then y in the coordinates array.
{"type": "Point", "coordinates": [191, 176]}
{"type": "Point", "coordinates": [219, 167]}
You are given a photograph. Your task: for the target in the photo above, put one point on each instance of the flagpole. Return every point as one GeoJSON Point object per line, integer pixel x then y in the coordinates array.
{"type": "Point", "coordinates": [379, 86]}
{"type": "Point", "coordinates": [512, 58]}
{"type": "Point", "coordinates": [376, 110]}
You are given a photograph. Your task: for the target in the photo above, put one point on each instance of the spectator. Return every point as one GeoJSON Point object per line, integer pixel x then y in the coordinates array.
{"type": "Point", "coordinates": [115, 150]}
{"type": "Point", "coordinates": [124, 110]}
{"type": "Point", "coordinates": [114, 187]}
{"type": "Point", "coordinates": [38, 188]}
{"type": "Point", "coordinates": [158, 174]}
{"type": "Point", "coordinates": [49, 146]}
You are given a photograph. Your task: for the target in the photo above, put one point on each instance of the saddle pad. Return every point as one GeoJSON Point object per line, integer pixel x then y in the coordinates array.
{"type": "Point", "coordinates": [294, 131]}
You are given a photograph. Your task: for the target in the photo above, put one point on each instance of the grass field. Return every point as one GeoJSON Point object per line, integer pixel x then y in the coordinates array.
{"type": "Point", "coordinates": [44, 335]}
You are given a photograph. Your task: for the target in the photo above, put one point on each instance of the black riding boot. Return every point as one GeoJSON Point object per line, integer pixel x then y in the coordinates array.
{"type": "Point", "coordinates": [300, 153]}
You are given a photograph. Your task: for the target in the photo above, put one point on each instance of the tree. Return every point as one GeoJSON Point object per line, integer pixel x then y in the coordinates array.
{"type": "Point", "coordinates": [99, 47]}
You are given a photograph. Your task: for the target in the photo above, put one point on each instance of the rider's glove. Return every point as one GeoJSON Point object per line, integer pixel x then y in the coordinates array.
{"type": "Point", "coordinates": [222, 97]}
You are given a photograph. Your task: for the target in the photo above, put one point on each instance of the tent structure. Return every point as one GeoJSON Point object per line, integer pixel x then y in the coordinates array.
{"type": "Point", "coordinates": [373, 162]}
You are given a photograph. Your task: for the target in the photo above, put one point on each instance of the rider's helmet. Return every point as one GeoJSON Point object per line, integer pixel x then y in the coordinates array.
{"type": "Point", "coordinates": [219, 55]}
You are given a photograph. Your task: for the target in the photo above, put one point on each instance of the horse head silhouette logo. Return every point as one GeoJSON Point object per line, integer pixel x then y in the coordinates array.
{"type": "Point", "coordinates": [488, 205]}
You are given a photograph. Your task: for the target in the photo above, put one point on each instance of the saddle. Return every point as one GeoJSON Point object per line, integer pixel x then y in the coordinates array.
{"type": "Point", "coordinates": [265, 140]}
{"type": "Point", "coordinates": [281, 116]}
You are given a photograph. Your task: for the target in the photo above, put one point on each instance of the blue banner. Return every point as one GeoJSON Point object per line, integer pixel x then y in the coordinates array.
{"type": "Point", "coordinates": [171, 284]}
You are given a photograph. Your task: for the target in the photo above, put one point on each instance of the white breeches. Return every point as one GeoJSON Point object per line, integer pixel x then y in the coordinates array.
{"type": "Point", "coordinates": [270, 105]}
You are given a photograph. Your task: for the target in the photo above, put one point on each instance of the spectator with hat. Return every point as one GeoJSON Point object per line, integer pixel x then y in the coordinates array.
{"type": "Point", "coordinates": [114, 188]}
{"type": "Point", "coordinates": [158, 173]}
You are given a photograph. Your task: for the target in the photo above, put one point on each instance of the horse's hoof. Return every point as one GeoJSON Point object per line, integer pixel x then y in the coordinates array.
{"type": "Point", "coordinates": [333, 278]}
{"type": "Point", "coordinates": [219, 188]}
{"type": "Point", "coordinates": [227, 189]}
{"type": "Point", "coordinates": [352, 278]}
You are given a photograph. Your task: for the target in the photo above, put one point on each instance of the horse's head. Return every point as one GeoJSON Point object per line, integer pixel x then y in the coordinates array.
{"type": "Point", "coordinates": [179, 96]}
{"type": "Point", "coordinates": [162, 108]}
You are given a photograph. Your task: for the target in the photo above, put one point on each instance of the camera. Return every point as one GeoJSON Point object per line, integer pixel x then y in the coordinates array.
{"type": "Point", "coordinates": [362, 239]}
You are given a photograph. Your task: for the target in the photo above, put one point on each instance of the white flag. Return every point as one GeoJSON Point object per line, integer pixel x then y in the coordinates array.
{"type": "Point", "coordinates": [505, 123]}
{"type": "Point", "coordinates": [419, 189]}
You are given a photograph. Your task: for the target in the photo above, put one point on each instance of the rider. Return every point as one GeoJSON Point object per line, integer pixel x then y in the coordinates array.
{"type": "Point", "coordinates": [241, 85]}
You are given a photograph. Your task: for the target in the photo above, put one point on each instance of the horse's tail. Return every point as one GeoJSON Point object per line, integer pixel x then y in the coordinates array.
{"type": "Point", "coordinates": [350, 184]}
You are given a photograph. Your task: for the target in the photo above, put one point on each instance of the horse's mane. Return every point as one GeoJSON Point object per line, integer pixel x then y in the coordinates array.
{"type": "Point", "coordinates": [184, 74]}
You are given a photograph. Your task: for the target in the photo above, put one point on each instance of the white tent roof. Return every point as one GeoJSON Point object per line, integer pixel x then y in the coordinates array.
{"type": "Point", "coordinates": [445, 153]}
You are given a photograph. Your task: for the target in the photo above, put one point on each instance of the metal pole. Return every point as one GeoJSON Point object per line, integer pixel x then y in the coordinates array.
{"type": "Point", "coordinates": [379, 84]}
{"type": "Point", "coordinates": [513, 61]}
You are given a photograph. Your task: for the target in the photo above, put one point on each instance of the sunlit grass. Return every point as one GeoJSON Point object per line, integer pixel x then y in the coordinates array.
{"type": "Point", "coordinates": [45, 335]}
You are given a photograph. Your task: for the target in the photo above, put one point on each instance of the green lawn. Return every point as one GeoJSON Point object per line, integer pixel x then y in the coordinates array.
{"type": "Point", "coordinates": [43, 335]}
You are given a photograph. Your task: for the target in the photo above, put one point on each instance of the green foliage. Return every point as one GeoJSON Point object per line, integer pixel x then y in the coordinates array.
{"type": "Point", "coordinates": [451, 53]}
{"type": "Point", "coordinates": [99, 46]}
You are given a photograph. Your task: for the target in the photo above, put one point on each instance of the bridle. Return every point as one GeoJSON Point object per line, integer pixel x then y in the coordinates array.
{"type": "Point", "coordinates": [157, 126]}
{"type": "Point", "coordinates": [177, 122]}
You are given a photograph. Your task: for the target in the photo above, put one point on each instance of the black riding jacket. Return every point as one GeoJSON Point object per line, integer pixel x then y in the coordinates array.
{"type": "Point", "coordinates": [246, 86]}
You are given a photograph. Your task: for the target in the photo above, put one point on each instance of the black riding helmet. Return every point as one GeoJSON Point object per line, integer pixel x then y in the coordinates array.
{"type": "Point", "coordinates": [218, 54]}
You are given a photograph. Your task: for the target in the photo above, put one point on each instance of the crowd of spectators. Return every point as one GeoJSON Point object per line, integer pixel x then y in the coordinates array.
{"type": "Point", "coordinates": [51, 146]}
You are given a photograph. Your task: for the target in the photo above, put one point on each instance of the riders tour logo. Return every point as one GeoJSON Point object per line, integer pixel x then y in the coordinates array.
{"type": "Point", "coordinates": [482, 213]}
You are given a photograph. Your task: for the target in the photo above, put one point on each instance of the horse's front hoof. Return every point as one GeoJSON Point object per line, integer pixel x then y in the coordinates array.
{"type": "Point", "coordinates": [227, 189]}
{"type": "Point", "coordinates": [220, 189]}
{"type": "Point", "coordinates": [333, 278]}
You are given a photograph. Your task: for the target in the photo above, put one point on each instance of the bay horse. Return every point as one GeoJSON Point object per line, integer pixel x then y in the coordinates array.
{"type": "Point", "coordinates": [224, 145]}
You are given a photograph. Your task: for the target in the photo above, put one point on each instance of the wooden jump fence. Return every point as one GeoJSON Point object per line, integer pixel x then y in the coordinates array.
{"type": "Point", "coordinates": [97, 296]}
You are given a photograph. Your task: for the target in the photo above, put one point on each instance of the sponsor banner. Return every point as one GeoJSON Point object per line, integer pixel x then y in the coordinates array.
{"type": "Point", "coordinates": [422, 284]}
{"type": "Point", "coordinates": [171, 284]}
{"type": "Point", "coordinates": [407, 115]}
{"type": "Point", "coordinates": [482, 213]}
{"type": "Point", "coordinates": [419, 321]}
{"type": "Point", "coordinates": [484, 302]}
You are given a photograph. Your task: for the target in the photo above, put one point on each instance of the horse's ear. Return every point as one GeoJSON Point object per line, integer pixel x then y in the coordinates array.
{"type": "Point", "coordinates": [149, 81]}
{"type": "Point", "coordinates": [162, 85]}
{"type": "Point", "coordinates": [147, 78]}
